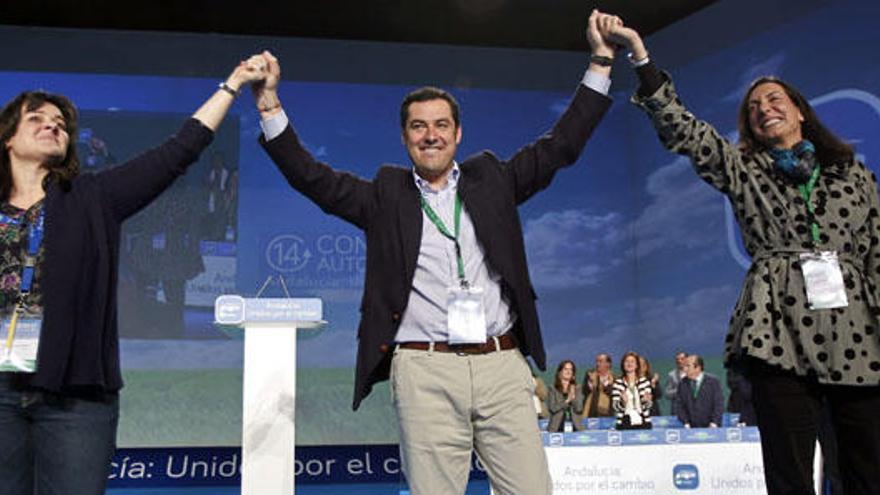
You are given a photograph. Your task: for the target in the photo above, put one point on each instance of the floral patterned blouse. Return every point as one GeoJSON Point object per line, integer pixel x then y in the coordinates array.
{"type": "Point", "coordinates": [13, 250]}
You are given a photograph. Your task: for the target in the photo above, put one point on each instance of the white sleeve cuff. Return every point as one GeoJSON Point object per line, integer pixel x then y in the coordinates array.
{"type": "Point", "coordinates": [599, 83]}
{"type": "Point", "coordinates": [275, 125]}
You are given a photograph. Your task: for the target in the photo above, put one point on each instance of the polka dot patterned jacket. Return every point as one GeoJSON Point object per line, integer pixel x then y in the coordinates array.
{"type": "Point", "coordinates": [772, 321]}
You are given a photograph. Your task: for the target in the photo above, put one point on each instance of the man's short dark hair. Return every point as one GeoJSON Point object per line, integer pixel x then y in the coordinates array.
{"type": "Point", "coordinates": [698, 360]}
{"type": "Point", "coordinates": [428, 93]}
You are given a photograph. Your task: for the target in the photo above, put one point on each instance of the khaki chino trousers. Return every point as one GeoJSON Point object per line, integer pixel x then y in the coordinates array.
{"type": "Point", "coordinates": [449, 405]}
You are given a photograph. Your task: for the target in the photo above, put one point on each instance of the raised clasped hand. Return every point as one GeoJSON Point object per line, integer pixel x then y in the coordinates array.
{"type": "Point", "coordinates": [271, 70]}
{"type": "Point", "coordinates": [617, 35]}
{"type": "Point", "coordinates": [597, 25]}
{"type": "Point", "coordinates": [248, 71]}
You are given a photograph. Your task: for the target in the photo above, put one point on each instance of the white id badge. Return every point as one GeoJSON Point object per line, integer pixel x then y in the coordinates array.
{"type": "Point", "coordinates": [823, 280]}
{"type": "Point", "coordinates": [21, 357]}
{"type": "Point", "coordinates": [466, 317]}
{"type": "Point", "coordinates": [635, 418]}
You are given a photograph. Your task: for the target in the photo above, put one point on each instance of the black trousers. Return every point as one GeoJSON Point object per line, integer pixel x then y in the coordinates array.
{"type": "Point", "coordinates": [790, 409]}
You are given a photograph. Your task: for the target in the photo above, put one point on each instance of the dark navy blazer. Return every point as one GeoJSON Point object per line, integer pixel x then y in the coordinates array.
{"type": "Point", "coordinates": [387, 210]}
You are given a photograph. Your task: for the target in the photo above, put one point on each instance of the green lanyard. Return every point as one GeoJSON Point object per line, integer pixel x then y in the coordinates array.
{"type": "Point", "coordinates": [806, 191]}
{"type": "Point", "coordinates": [633, 388]}
{"type": "Point", "coordinates": [697, 385]}
{"type": "Point", "coordinates": [443, 230]}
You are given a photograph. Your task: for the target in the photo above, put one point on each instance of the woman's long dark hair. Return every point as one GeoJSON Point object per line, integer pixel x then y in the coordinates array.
{"type": "Point", "coordinates": [10, 117]}
{"type": "Point", "coordinates": [638, 364]}
{"type": "Point", "coordinates": [830, 149]}
{"type": "Point", "coordinates": [645, 371]}
{"type": "Point", "coordinates": [557, 384]}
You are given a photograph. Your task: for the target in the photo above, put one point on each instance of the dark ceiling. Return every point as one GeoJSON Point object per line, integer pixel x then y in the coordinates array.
{"type": "Point", "coordinates": [546, 24]}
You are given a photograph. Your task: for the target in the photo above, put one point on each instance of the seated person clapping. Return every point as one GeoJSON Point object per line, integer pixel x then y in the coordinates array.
{"type": "Point", "coordinates": [565, 402]}
{"type": "Point", "coordinates": [631, 395]}
{"type": "Point", "coordinates": [597, 388]}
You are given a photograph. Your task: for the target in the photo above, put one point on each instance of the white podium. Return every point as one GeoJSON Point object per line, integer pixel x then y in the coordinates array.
{"type": "Point", "coordinates": [269, 390]}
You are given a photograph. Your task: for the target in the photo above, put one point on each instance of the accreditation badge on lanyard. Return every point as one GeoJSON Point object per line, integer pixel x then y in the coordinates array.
{"type": "Point", "coordinates": [822, 276]}
{"type": "Point", "coordinates": [823, 280]}
{"type": "Point", "coordinates": [22, 329]}
{"type": "Point", "coordinates": [465, 312]}
{"type": "Point", "coordinates": [22, 340]}
{"type": "Point", "coordinates": [466, 315]}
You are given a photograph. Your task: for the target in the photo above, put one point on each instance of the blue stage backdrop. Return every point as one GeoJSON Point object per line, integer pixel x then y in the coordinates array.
{"type": "Point", "coordinates": [627, 249]}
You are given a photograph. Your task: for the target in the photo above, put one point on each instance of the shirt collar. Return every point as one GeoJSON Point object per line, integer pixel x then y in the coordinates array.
{"type": "Point", "coordinates": [451, 180]}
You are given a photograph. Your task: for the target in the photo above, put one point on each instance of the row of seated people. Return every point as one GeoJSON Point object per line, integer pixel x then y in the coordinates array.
{"type": "Point", "coordinates": [633, 396]}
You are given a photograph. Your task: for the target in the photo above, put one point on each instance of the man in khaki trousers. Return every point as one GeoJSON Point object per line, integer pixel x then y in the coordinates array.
{"type": "Point", "coordinates": [448, 309]}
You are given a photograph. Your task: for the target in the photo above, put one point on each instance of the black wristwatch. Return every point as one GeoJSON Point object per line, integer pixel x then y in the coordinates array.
{"type": "Point", "coordinates": [601, 60]}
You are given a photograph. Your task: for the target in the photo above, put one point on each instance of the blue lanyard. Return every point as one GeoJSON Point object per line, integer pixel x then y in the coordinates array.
{"type": "Point", "coordinates": [35, 239]}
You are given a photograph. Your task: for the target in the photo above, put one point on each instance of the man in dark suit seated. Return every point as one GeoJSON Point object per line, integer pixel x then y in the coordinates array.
{"type": "Point", "coordinates": [700, 402]}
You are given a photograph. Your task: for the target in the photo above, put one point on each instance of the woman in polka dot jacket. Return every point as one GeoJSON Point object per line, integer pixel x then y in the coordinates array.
{"type": "Point", "coordinates": [795, 189]}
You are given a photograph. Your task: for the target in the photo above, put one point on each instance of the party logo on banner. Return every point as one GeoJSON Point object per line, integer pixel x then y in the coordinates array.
{"type": "Point", "coordinates": [751, 434]}
{"type": "Point", "coordinates": [666, 422]}
{"type": "Point", "coordinates": [614, 438]}
{"type": "Point", "coordinates": [643, 437]}
{"type": "Point", "coordinates": [686, 476]}
{"type": "Point", "coordinates": [584, 438]}
{"type": "Point", "coordinates": [700, 435]}
{"type": "Point", "coordinates": [734, 435]}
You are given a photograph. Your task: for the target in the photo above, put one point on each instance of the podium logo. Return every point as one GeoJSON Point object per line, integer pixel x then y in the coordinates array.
{"type": "Point", "coordinates": [229, 310]}
{"type": "Point", "coordinates": [673, 436]}
{"type": "Point", "coordinates": [686, 476]}
{"type": "Point", "coordinates": [556, 439]}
